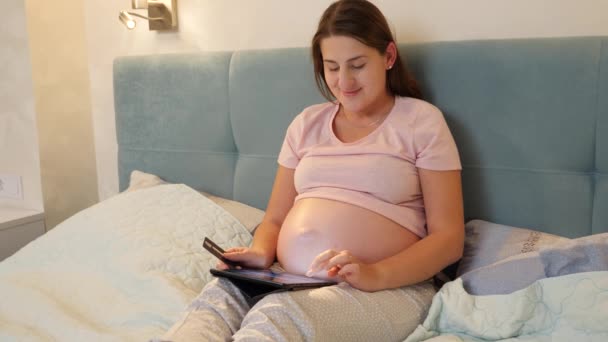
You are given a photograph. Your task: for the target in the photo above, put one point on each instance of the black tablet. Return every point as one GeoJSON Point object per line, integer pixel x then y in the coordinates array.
{"type": "Point", "coordinates": [277, 279]}
{"type": "Point", "coordinates": [274, 278]}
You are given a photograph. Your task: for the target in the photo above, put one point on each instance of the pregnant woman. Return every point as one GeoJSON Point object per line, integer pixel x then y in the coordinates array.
{"type": "Point", "coordinates": [367, 193]}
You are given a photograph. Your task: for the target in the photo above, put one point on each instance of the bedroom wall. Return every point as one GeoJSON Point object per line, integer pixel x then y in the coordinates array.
{"type": "Point", "coordinates": [61, 85]}
{"type": "Point", "coordinates": [262, 24]}
{"type": "Point", "coordinates": [18, 132]}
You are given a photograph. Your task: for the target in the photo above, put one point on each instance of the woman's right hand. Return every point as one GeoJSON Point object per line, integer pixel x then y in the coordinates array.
{"type": "Point", "coordinates": [247, 257]}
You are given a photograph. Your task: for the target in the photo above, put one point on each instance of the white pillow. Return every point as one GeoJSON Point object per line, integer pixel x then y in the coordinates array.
{"type": "Point", "coordinates": [486, 243]}
{"type": "Point", "coordinates": [142, 180]}
{"type": "Point", "coordinates": [249, 216]}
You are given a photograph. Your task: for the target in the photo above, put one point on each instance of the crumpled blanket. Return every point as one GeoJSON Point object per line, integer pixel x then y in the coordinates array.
{"type": "Point", "coordinates": [573, 307]}
{"type": "Point", "coordinates": [586, 254]}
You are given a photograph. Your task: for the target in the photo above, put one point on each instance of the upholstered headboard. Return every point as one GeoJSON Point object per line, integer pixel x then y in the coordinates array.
{"type": "Point", "coordinates": [530, 118]}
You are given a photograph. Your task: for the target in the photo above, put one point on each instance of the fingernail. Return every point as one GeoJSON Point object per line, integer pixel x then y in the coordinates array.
{"type": "Point", "coordinates": [309, 273]}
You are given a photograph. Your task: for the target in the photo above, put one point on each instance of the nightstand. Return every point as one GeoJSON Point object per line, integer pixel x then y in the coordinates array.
{"type": "Point", "coordinates": [17, 228]}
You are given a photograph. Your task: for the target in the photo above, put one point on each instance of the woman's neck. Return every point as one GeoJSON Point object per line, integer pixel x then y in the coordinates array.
{"type": "Point", "coordinates": [375, 112]}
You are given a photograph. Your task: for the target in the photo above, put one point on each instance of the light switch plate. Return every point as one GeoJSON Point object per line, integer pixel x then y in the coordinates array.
{"type": "Point", "coordinates": [10, 187]}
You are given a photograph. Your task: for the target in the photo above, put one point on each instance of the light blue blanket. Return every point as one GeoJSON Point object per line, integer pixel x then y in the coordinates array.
{"type": "Point", "coordinates": [566, 308]}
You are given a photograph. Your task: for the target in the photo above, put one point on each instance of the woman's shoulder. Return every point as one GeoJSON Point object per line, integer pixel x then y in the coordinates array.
{"type": "Point", "coordinates": [416, 111]}
{"type": "Point", "coordinates": [312, 117]}
{"type": "Point", "coordinates": [416, 106]}
{"type": "Point", "coordinates": [315, 113]}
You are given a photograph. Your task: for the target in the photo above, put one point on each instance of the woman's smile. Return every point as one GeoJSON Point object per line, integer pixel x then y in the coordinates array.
{"type": "Point", "coordinates": [350, 93]}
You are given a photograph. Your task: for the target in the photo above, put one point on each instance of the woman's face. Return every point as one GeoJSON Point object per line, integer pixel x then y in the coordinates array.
{"type": "Point", "coordinates": [355, 73]}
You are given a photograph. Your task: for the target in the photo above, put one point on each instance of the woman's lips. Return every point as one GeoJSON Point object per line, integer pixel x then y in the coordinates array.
{"type": "Point", "coordinates": [351, 93]}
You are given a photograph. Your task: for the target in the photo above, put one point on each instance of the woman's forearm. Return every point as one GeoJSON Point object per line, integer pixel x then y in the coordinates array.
{"type": "Point", "coordinates": [421, 261]}
{"type": "Point", "coordinates": [265, 240]}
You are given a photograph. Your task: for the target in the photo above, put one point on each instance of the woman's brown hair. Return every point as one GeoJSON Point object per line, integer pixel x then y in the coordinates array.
{"type": "Point", "coordinates": [361, 20]}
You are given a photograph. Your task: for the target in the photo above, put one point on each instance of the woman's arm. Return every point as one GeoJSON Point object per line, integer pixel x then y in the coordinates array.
{"type": "Point", "coordinates": [281, 200]}
{"type": "Point", "coordinates": [263, 251]}
{"type": "Point", "coordinates": [442, 193]}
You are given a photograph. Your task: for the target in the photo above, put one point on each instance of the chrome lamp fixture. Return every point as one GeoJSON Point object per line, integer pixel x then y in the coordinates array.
{"type": "Point", "coordinates": [162, 14]}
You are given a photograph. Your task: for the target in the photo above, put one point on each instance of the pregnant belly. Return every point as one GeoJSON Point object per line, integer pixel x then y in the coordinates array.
{"type": "Point", "coordinates": [314, 225]}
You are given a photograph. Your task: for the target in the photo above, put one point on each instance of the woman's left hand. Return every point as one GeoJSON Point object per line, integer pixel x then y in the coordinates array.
{"type": "Point", "coordinates": [348, 268]}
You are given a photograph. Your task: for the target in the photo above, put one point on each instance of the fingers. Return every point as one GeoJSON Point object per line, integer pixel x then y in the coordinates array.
{"type": "Point", "coordinates": [332, 272]}
{"type": "Point", "coordinates": [340, 260]}
{"type": "Point", "coordinates": [238, 254]}
{"type": "Point", "coordinates": [246, 257]}
{"type": "Point", "coordinates": [320, 261]}
{"type": "Point", "coordinates": [349, 270]}
{"type": "Point", "coordinates": [222, 266]}
{"type": "Point", "coordinates": [235, 250]}
{"type": "Point", "coordinates": [332, 261]}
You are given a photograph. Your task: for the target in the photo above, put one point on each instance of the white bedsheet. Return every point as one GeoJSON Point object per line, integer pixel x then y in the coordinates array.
{"type": "Point", "coordinates": [122, 270]}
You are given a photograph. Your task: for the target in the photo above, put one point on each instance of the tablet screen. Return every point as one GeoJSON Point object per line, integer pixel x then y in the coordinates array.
{"type": "Point", "coordinates": [285, 278]}
{"type": "Point", "coordinates": [278, 277]}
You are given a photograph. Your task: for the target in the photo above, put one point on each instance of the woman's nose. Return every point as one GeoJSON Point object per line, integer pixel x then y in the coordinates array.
{"type": "Point", "coordinates": [345, 79]}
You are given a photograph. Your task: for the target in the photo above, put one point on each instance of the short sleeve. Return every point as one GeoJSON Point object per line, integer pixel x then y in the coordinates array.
{"type": "Point", "coordinates": [435, 146]}
{"type": "Point", "coordinates": [288, 156]}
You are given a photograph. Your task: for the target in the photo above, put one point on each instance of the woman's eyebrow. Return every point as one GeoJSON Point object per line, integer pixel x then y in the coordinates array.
{"type": "Point", "coordinates": [349, 60]}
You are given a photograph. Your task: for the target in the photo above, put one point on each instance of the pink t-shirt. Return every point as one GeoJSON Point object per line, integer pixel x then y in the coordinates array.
{"type": "Point", "coordinates": [378, 172]}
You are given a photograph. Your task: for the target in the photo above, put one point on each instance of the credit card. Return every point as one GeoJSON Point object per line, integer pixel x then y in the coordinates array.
{"type": "Point", "coordinates": [216, 250]}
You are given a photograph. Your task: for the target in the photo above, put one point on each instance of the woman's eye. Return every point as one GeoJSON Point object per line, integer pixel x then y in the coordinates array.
{"type": "Point", "coordinates": [356, 67]}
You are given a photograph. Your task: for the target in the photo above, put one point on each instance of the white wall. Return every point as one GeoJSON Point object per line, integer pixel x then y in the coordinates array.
{"type": "Point", "coordinates": [60, 75]}
{"type": "Point", "coordinates": [261, 24]}
{"type": "Point", "coordinates": [18, 134]}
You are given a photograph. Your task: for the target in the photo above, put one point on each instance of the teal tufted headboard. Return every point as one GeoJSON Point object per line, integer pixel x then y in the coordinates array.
{"type": "Point", "coordinates": [530, 117]}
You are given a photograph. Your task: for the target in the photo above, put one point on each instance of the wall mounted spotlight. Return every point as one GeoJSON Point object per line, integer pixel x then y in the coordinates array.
{"type": "Point", "coordinates": [127, 20]}
{"type": "Point", "coordinates": [162, 14]}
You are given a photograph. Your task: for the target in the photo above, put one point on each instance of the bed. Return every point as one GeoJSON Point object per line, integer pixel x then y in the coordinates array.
{"type": "Point", "coordinates": [198, 135]}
